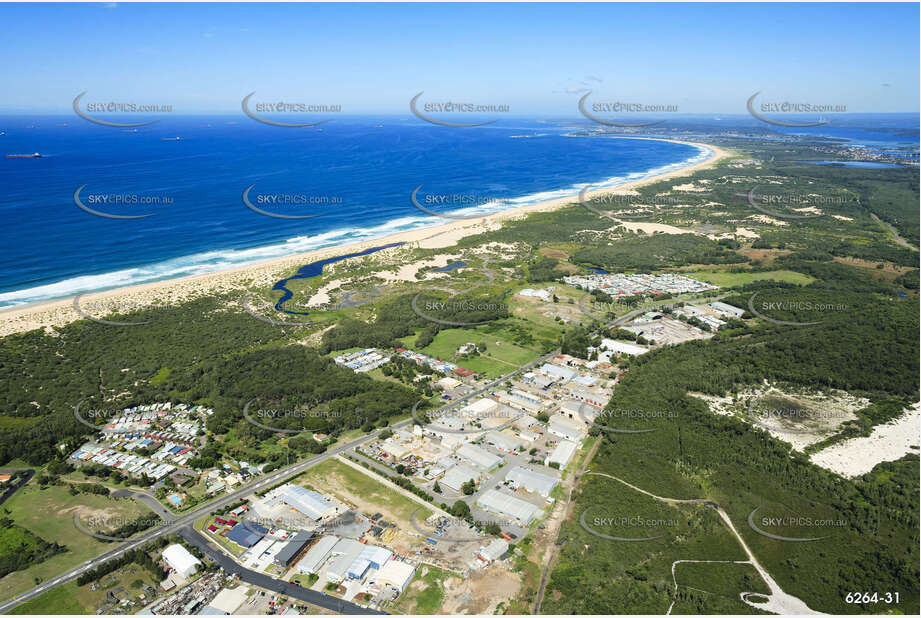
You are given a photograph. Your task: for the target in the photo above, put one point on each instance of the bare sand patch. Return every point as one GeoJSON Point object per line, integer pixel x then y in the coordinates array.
{"type": "Point", "coordinates": [240, 279]}
{"type": "Point", "coordinates": [799, 417]}
{"type": "Point", "coordinates": [888, 442]}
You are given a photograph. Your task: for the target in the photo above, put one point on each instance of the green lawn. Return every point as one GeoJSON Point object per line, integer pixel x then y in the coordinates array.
{"type": "Point", "coordinates": [501, 355]}
{"type": "Point", "coordinates": [728, 280]}
{"type": "Point", "coordinates": [337, 478]}
{"type": "Point", "coordinates": [423, 595]}
{"type": "Point", "coordinates": [73, 599]}
{"type": "Point", "coordinates": [230, 546]}
{"type": "Point", "coordinates": [60, 600]}
{"type": "Point", "coordinates": [49, 513]}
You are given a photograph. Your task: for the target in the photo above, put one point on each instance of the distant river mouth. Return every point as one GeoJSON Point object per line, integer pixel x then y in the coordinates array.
{"type": "Point", "coordinates": [315, 269]}
{"type": "Point", "coordinates": [209, 230]}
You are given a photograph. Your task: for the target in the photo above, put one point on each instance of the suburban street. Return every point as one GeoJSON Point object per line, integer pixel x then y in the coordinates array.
{"type": "Point", "coordinates": [177, 523]}
{"type": "Point", "coordinates": [267, 582]}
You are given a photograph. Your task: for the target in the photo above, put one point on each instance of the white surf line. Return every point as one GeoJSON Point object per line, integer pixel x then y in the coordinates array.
{"type": "Point", "coordinates": [779, 602]}
{"type": "Point", "coordinates": [675, 579]}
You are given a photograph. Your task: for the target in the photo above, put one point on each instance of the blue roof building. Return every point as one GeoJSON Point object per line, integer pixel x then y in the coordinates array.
{"type": "Point", "coordinates": [246, 534]}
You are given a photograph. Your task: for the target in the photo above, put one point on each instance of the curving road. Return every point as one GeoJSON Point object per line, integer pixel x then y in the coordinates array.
{"type": "Point", "coordinates": [270, 583]}
{"type": "Point", "coordinates": [177, 523]}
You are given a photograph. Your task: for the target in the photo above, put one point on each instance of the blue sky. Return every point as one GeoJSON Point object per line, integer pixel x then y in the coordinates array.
{"type": "Point", "coordinates": [536, 58]}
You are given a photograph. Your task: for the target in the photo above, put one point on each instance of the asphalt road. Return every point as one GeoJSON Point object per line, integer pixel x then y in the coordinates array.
{"type": "Point", "coordinates": [260, 484]}
{"type": "Point", "coordinates": [256, 486]}
{"type": "Point", "coordinates": [270, 583]}
{"type": "Point", "coordinates": [12, 489]}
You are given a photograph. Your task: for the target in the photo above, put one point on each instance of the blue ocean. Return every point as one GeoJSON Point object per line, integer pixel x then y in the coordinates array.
{"type": "Point", "coordinates": [353, 178]}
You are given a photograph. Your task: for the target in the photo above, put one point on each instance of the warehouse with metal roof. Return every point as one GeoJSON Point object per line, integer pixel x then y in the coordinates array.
{"type": "Point", "coordinates": [562, 454]}
{"type": "Point", "coordinates": [376, 556]}
{"type": "Point", "coordinates": [395, 573]}
{"type": "Point", "coordinates": [508, 506]}
{"type": "Point", "coordinates": [317, 555]}
{"type": "Point", "coordinates": [247, 533]}
{"type": "Point", "coordinates": [457, 476]}
{"type": "Point", "coordinates": [312, 504]}
{"type": "Point", "coordinates": [532, 481]}
{"type": "Point", "coordinates": [503, 442]}
{"type": "Point", "coordinates": [561, 373]}
{"type": "Point", "coordinates": [180, 560]}
{"type": "Point", "coordinates": [479, 457]}
{"type": "Point", "coordinates": [495, 550]}
{"type": "Point", "coordinates": [561, 426]}
{"type": "Point", "coordinates": [348, 550]}
{"type": "Point", "coordinates": [292, 547]}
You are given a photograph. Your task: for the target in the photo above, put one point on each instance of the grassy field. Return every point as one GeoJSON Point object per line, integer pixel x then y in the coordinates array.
{"type": "Point", "coordinates": [49, 514]}
{"type": "Point", "coordinates": [333, 476]}
{"type": "Point", "coordinates": [73, 599]}
{"type": "Point", "coordinates": [728, 280]}
{"type": "Point", "coordinates": [501, 356]}
{"type": "Point", "coordinates": [425, 594]}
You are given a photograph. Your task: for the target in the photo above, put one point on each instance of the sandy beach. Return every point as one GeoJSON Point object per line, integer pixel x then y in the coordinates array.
{"type": "Point", "coordinates": [174, 291]}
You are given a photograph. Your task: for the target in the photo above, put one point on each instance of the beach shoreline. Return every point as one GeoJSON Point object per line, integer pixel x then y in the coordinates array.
{"type": "Point", "coordinates": [62, 311]}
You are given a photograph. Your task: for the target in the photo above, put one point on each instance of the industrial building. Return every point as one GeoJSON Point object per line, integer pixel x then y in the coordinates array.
{"type": "Point", "coordinates": [246, 534]}
{"type": "Point", "coordinates": [293, 548]}
{"type": "Point", "coordinates": [495, 550]}
{"type": "Point", "coordinates": [559, 374]}
{"type": "Point", "coordinates": [503, 442]}
{"type": "Point", "coordinates": [347, 551]}
{"type": "Point", "coordinates": [317, 555]}
{"type": "Point", "coordinates": [578, 412]}
{"type": "Point", "coordinates": [562, 454]}
{"type": "Point", "coordinates": [395, 573]}
{"type": "Point", "coordinates": [479, 457]}
{"type": "Point", "coordinates": [561, 426]}
{"type": "Point", "coordinates": [508, 506]}
{"type": "Point", "coordinates": [458, 475]}
{"type": "Point", "coordinates": [620, 347]}
{"type": "Point", "coordinates": [532, 481]}
{"type": "Point", "coordinates": [479, 408]}
{"type": "Point", "coordinates": [310, 503]}
{"type": "Point", "coordinates": [180, 560]}
{"type": "Point", "coordinates": [727, 309]}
